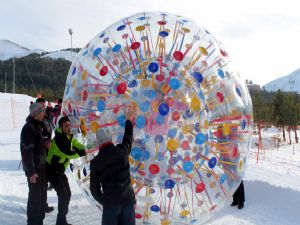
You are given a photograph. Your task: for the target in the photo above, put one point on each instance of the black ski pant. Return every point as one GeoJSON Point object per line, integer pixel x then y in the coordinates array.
{"type": "Point", "coordinates": [118, 214]}
{"type": "Point", "coordinates": [239, 194]}
{"type": "Point", "coordinates": [59, 182]}
{"type": "Point", "coordinates": [37, 197]}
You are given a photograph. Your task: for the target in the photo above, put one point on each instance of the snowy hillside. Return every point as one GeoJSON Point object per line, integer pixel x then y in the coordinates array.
{"type": "Point", "coordinates": [272, 186]}
{"type": "Point", "coordinates": [67, 55]}
{"type": "Point", "coordinates": [287, 83]}
{"type": "Point", "coordinates": [10, 49]}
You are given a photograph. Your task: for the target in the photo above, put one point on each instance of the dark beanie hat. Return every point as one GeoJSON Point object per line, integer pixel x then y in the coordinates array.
{"type": "Point", "coordinates": [63, 120]}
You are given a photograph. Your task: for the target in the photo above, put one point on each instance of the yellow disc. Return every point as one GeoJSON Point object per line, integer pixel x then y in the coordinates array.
{"type": "Point", "coordinates": [141, 165]}
{"type": "Point", "coordinates": [145, 83]}
{"type": "Point", "coordinates": [140, 76]}
{"type": "Point", "coordinates": [84, 75]}
{"type": "Point", "coordinates": [203, 50]}
{"type": "Point", "coordinates": [189, 82]}
{"type": "Point", "coordinates": [212, 184]}
{"type": "Point", "coordinates": [131, 160]}
{"type": "Point", "coordinates": [226, 129]}
{"type": "Point", "coordinates": [165, 222]}
{"type": "Point", "coordinates": [186, 30]}
{"type": "Point", "coordinates": [140, 28]}
{"type": "Point", "coordinates": [172, 145]}
{"type": "Point", "coordinates": [241, 163]}
{"type": "Point", "coordinates": [132, 181]}
{"type": "Point", "coordinates": [195, 104]}
{"type": "Point", "coordinates": [186, 129]}
{"type": "Point", "coordinates": [73, 83]}
{"type": "Point", "coordinates": [184, 213]}
{"type": "Point", "coordinates": [206, 124]}
{"type": "Point", "coordinates": [94, 126]}
{"type": "Point", "coordinates": [165, 88]}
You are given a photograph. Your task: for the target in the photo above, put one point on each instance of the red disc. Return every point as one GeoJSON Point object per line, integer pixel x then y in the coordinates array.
{"type": "Point", "coordinates": [187, 158]}
{"type": "Point", "coordinates": [121, 88]}
{"type": "Point", "coordinates": [170, 171]}
{"type": "Point", "coordinates": [220, 97]}
{"type": "Point", "coordinates": [116, 110]}
{"type": "Point", "coordinates": [142, 173]}
{"type": "Point", "coordinates": [223, 53]}
{"type": "Point", "coordinates": [178, 55]}
{"type": "Point", "coordinates": [170, 101]}
{"type": "Point", "coordinates": [138, 216]}
{"type": "Point", "coordinates": [154, 169]}
{"type": "Point", "coordinates": [103, 71]}
{"type": "Point", "coordinates": [235, 151]}
{"type": "Point", "coordinates": [85, 95]}
{"type": "Point", "coordinates": [200, 187]}
{"type": "Point", "coordinates": [175, 115]}
{"type": "Point", "coordinates": [159, 77]}
{"type": "Point", "coordinates": [135, 45]}
{"type": "Point", "coordinates": [162, 22]}
{"type": "Point", "coordinates": [185, 145]}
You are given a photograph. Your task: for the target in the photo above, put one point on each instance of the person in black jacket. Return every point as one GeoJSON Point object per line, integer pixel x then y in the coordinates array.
{"type": "Point", "coordinates": [239, 196]}
{"type": "Point", "coordinates": [110, 181]}
{"type": "Point", "coordinates": [33, 152]}
{"type": "Point", "coordinates": [47, 130]}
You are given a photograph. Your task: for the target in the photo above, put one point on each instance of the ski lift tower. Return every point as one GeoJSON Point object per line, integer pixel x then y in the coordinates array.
{"type": "Point", "coordinates": [71, 33]}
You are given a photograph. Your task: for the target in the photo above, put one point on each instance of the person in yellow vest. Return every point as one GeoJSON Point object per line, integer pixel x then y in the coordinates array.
{"type": "Point", "coordinates": [63, 148]}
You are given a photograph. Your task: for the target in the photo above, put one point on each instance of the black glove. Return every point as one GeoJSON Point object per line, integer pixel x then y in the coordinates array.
{"type": "Point", "coordinates": [81, 153]}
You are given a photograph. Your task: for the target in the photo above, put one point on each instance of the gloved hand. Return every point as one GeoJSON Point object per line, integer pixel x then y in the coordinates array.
{"type": "Point", "coordinates": [81, 153]}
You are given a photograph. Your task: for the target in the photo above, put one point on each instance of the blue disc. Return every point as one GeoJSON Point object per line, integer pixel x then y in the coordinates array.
{"type": "Point", "coordinates": [153, 67]}
{"type": "Point", "coordinates": [198, 77]}
{"type": "Point", "coordinates": [163, 109]}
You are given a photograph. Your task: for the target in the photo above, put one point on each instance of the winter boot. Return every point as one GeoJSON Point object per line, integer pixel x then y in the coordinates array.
{"type": "Point", "coordinates": [49, 208]}
{"type": "Point", "coordinates": [234, 203]}
{"type": "Point", "coordinates": [241, 205]}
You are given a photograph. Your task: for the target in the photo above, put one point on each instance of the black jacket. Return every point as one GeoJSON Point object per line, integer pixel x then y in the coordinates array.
{"type": "Point", "coordinates": [109, 170]}
{"type": "Point", "coordinates": [32, 146]}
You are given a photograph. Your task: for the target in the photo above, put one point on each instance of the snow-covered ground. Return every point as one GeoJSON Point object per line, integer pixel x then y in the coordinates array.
{"type": "Point", "coordinates": [272, 186]}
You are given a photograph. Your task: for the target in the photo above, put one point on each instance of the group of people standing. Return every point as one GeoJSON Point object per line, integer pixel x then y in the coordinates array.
{"type": "Point", "coordinates": [45, 160]}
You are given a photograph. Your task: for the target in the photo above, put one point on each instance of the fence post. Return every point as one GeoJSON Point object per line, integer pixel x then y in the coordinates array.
{"type": "Point", "coordinates": [13, 112]}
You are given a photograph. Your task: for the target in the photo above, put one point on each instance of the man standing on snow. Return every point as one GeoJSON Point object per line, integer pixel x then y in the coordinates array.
{"type": "Point", "coordinates": [47, 132]}
{"type": "Point", "coordinates": [110, 172]}
{"type": "Point", "coordinates": [33, 151]}
{"type": "Point", "coordinates": [63, 148]}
